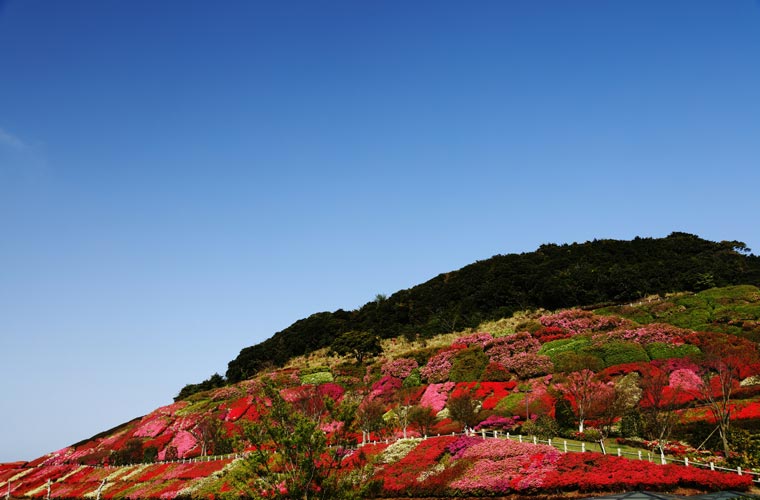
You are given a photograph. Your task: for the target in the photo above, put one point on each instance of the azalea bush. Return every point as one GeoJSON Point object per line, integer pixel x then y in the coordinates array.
{"type": "Point", "coordinates": [399, 368]}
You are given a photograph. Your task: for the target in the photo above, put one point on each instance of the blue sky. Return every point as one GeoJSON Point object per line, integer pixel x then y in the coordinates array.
{"type": "Point", "coordinates": [181, 179]}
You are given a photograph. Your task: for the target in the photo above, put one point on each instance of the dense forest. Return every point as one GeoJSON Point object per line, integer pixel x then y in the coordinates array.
{"type": "Point", "coordinates": [597, 272]}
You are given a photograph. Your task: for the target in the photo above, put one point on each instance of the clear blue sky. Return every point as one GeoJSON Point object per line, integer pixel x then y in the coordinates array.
{"type": "Point", "coordinates": [181, 179]}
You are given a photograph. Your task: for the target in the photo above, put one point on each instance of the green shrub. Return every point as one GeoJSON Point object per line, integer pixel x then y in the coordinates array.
{"type": "Point", "coordinates": [573, 344]}
{"type": "Point", "coordinates": [422, 355]}
{"type": "Point", "coordinates": [316, 378]}
{"type": "Point", "coordinates": [568, 362]}
{"type": "Point", "coordinates": [616, 353]}
{"type": "Point", "coordinates": [513, 404]}
{"type": "Point", "coordinates": [413, 380]}
{"type": "Point", "coordinates": [468, 365]}
{"type": "Point", "coordinates": [659, 350]}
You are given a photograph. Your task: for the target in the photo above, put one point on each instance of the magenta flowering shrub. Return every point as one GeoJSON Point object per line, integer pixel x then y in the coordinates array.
{"type": "Point", "coordinates": [384, 388]}
{"type": "Point", "coordinates": [438, 367]}
{"type": "Point", "coordinates": [499, 423]}
{"type": "Point", "coordinates": [436, 395]}
{"type": "Point", "coordinates": [399, 368]}
{"type": "Point", "coordinates": [480, 339]}
{"type": "Point", "coordinates": [462, 444]}
{"type": "Point", "coordinates": [331, 390]}
{"type": "Point", "coordinates": [577, 321]}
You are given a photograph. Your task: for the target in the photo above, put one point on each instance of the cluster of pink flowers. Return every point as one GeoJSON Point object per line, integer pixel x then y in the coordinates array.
{"type": "Point", "coordinates": [498, 422]}
{"type": "Point", "coordinates": [436, 395]}
{"type": "Point", "coordinates": [151, 427]}
{"type": "Point", "coordinates": [183, 441]}
{"type": "Point", "coordinates": [438, 367]}
{"type": "Point", "coordinates": [645, 335]}
{"type": "Point", "coordinates": [399, 368]}
{"type": "Point", "coordinates": [482, 339]}
{"type": "Point", "coordinates": [503, 349]}
{"type": "Point", "coordinates": [685, 379]}
{"type": "Point", "coordinates": [502, 465]}
{"type": "Point", "coordinates": [578, 321]}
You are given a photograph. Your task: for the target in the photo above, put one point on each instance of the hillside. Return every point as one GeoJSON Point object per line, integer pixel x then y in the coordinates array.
{"type": "Point", "coordinates": [552, 277]}
{"type": "Point", "coordinates": [522, 405]}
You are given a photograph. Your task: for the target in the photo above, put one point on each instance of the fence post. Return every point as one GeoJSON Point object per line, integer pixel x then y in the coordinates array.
{"type": "Point", "coordinates": [649, 456]}
{"type": "Point", "coordinates": [564, 445]}
{"type": "Point", "coordinates": [639, 451]}
{"type": "Point", "coordinates": [520, 437]}
{"type": "Point", "coordinates": [619, 454]}
{"type": "Point", "coordinates": [534, 440]}
{"type": "Point", "coordinates": [739, 470]}
{"type": "Point", "coordinates": [483, 433]}
{"type": "Point", "coordinates": [712, 466]}
{"type": "Point", "coordinates": [583, 447]}
{"type": "Point", "coordinates": [550, 441]}
{"type": "Point", "coordinates": [686, 461]}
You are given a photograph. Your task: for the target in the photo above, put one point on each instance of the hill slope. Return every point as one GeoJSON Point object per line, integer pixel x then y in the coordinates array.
{"type": "Point", "coordinates": [518, 378]}
{"type": "Point", "coordinates": [553, 276]}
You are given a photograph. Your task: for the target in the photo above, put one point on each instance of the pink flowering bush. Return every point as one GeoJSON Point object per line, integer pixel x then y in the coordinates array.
{"type": "Point", "coordinates": [502, 465]}
{"type": "Point", "coordinates": [479, 339]}
{"type": "Point", "coordinates": [438, 367]}
{"type": "Point", "coordinates": [399, 368]}
{"type": "Point", "coordinates": [502, 349]}
{"type": "Point", "coordinates": [151, 427]}
{"type": "Point", "coordinates": [577, 321]}
{"type": "Point", "coordinates": [498, 422]}
{"type": "Point", "coordinates": [685, 379]}
{"type": "Point", "coordinates": [184, 442]}
{"type": "Point", "coordinates": [436, 395]}
{"type": "Point", "coordinates": [645, 335]}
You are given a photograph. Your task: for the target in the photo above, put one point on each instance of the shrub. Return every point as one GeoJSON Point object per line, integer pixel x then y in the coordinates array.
{"type": "Point", "coordinates": [399, 368]}
{"type": "Point", "coordinates": [468, 364]}
{"type": "Point", "coordinates": [438, 367]}
{"type": "Point", "coordinates": [660, 350]}
{"type": "Point", "coordinates": [616, 353]}
{"type": "Point", "coordinates": [316, 378]}
{"type": "Point", "coordinates": [496, 372]}
{"type": "Point", "coordinates": [413, 380]}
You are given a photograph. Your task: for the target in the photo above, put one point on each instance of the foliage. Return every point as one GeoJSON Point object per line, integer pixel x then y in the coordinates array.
{"type": "Point", "coordinates": [316, 378]}
{"type": "Point", "coordinates": [462, 409]}
{"type": "Point", "coordinates": [468, 364]}
{"type": "Point", "coordinates": [358, 344]}
{"type": "Point", "coordinates": [290, 456]}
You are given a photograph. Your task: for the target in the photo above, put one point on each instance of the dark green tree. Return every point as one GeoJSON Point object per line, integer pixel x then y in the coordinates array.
{"type": "Point", "coordinates": [462, 409]}
{"type": "Point", "coordinates": [360, 345]}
